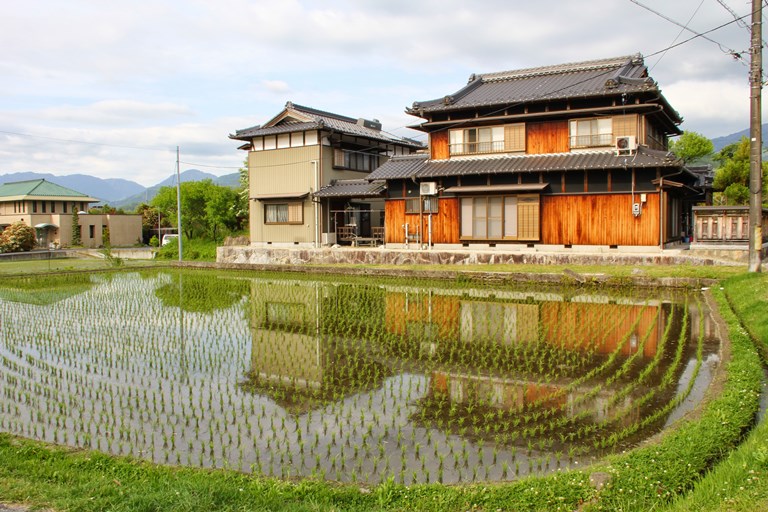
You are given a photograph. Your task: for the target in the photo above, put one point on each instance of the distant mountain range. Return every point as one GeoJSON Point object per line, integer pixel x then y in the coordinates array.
{"type": "Point", "coordinates": [119, 192]}
{"type": "Point", "coordinates": [721, 142]}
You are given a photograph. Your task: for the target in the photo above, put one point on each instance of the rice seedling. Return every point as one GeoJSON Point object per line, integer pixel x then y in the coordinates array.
{"type": "Point", "coordinates": [295, 377]}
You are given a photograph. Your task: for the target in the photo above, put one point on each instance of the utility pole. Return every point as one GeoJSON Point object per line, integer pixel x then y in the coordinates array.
{"type": "Point", "coordinates": [755, 138]}
{"type": "Point", "coordinates": [178, 200]}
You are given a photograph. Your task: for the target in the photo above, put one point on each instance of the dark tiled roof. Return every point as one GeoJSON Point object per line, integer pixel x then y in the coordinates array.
{"type": "Point", "coordinates": [352, 188]}
{"type": "Point", "coordinates": [606, 77]}
{"type": "Point", "coordinates": [399, 168]}
{"type": "Point", "coordinates": [313, 119]}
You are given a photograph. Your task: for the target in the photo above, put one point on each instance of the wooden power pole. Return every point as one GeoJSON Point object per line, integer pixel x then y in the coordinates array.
{"type": "Point", "coordinates": [756, 142]}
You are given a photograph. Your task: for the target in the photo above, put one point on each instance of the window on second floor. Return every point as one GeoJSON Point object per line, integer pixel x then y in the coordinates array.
{"type": "Point", "coordinates": [477, 140]}
{"type": "Point", "coordinates": [355, 160]}
{"type": "Point", "coordinates": [589, 133]}
{"type": "Point", "coordinates": [490, 139]}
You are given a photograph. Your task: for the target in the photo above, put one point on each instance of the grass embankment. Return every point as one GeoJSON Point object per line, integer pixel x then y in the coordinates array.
{"type": "Point", "coordinates": [619, 271]}
{"type": "Point", "coordinates": [645, 479]}
{"type": "Point", "coordinates": [195, 249]}
{"type": "Point", "coordinates": [63, 265]}
{"type": "Point", "coordinates": [740, 483]}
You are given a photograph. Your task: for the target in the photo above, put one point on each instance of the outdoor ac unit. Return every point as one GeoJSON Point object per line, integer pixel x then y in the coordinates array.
{"type": "Point", "coordinates": [428, 188]}
{"type": "Point", "coordinates": [626, 145]}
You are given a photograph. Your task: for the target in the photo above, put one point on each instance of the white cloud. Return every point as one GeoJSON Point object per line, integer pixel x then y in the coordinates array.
{"type": "Point", "coordinates": [112, 112]}
{"type": "Point", "coordinates": [696, 101]}
{"type": "Point", "coordinates": [276, 86]}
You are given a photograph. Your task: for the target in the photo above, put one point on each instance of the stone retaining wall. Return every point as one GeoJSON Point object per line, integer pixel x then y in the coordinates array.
{"type": "Point", "coordinates": [380, 256]}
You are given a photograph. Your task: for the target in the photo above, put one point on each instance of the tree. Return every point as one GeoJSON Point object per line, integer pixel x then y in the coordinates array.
{"type": "Point", "coordinates": [151, 219]}
{"type": "Point", "coordinates": [207, 209]}
{"type": "Point", "coordinates": [691, 146]}
{"type": "Point", "coordinates": [244, 193]}
{"type": "Point", "coordinates": [76, 241]}
{"type": "Point", "coordinates": [17, 237]}
{"type": "Point", "coordinates": [732, 177]}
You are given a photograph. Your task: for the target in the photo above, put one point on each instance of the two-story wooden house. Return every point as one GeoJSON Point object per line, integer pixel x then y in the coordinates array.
{"type": "Point", "coordinates": [566, 155]}
{"type": "Point", "coordinates": [303, 150]}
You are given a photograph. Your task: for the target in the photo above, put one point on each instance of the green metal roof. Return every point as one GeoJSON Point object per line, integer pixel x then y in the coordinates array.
{"type": "Point", "coordinates": [33, 188]}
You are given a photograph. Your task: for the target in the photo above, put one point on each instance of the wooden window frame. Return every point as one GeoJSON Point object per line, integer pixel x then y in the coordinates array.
{"type": "Point", "coordinates": [296, 207]}
{"type": "Point", "coordinates": [596, 139]}
{"type": "Point", "coordinates": [412, 205]}
{"type": "Point", "coordinates": [522, 234]}
{"type": "Point", "coordinates": [476, 147]}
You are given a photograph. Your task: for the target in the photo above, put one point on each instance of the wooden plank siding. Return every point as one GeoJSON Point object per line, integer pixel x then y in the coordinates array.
{"type": "Point", "coordinates": [604, 219]}
{"type": "Point", "coordinates": [445, 223]}
{"type": "Point", "coordinates": [394, 218]}
{"type": "Point", "coordinates": [549, 137]}
{"type": "Point", "coordinates": [402, 309]}
{"type": "Point", "coordinates": [603, 328]}
{"type": "Point", "coordinates": [438, 142]}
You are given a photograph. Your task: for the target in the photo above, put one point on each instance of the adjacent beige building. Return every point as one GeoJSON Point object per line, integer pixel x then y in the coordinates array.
{"type": "Point", "coordinates": [303, 151]}
{"type": "Point", "coordinates": [49, 208]}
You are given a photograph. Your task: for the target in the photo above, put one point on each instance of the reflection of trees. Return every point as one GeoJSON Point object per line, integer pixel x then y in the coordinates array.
{"type": "Point", "coordinates": [201, 292]}
{"type": "Point", "coordinates": [44, 290]}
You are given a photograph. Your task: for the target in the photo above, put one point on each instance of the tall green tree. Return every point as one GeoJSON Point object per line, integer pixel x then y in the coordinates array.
{"type": "Point", "coordinates": [691, 147]}
{"type": "Point", "coordinates": [732, 176]}
{"type": "Point", "coordinates": [207, 210]}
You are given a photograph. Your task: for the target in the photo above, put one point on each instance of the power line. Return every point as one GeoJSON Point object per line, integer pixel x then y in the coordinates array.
{"type": "Point", "coordinates": [210, 166]}
{"type": "Point", "coordinates": [740, 22]}
{"type": "Point", "coordinates": [75, 141]}
{"type": "Point", "coordinates": [679, 33]}
{"type": "Point", "coordinates": [723, 48]}
{"type": "Point", "coordinates": [735, 55]}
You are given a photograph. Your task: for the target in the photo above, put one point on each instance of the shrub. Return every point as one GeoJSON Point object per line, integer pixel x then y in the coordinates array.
{"type": "Point", "coordinates": [17, 237]}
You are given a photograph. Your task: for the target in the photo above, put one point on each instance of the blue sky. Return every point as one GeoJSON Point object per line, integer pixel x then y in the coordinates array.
{"type": "Point", "coordinates": [135, 79]}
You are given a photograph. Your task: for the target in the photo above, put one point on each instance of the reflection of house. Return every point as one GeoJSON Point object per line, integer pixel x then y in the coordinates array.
{"type": "Point", "coordinates": [293, 358]}
{"type": "Point", "coordinates": [574, 154]}
{"type": "Point", "coordinates": [49, 209]}
{"type": "Point", "coordinates": [514, 395]}
{"type": "Point", "coordinates": [287, 347]}
{"type": "Point", "coordinates": [306, 170]}
{"type": "Point", "coordinates": [585, 327]}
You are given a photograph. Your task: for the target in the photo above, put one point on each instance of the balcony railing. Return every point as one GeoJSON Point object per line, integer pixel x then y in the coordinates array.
{"type": "Point", "coordinates": [470, 148]}
{"type": "Point", "coordinates": [591, 141]}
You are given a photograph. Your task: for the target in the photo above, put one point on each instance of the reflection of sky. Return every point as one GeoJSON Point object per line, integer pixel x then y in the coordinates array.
{"type": "Point", "coordinates": [699, 388]}
{"type": "Point", "coordinates": [114, 354]}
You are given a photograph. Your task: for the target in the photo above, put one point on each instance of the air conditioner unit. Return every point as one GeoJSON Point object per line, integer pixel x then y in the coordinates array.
{"type": "Point", "coordinates": [626, 145]}
{"type": "Point", "coordinates": [428, 188]}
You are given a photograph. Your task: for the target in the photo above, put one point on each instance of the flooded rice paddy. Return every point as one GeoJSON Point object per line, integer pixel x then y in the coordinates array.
{"type": "Point", "coordinates": [350, 380]}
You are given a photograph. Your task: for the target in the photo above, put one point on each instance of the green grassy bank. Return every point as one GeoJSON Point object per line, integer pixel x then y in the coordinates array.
{"type": "Point", "coordinates": [697, 460]}
{"type": "Point", "coordinates": [740, 482]}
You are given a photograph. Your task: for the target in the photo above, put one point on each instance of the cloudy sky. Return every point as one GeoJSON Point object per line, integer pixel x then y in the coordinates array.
{"type": "Point", "coordinates": [110, 88]}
